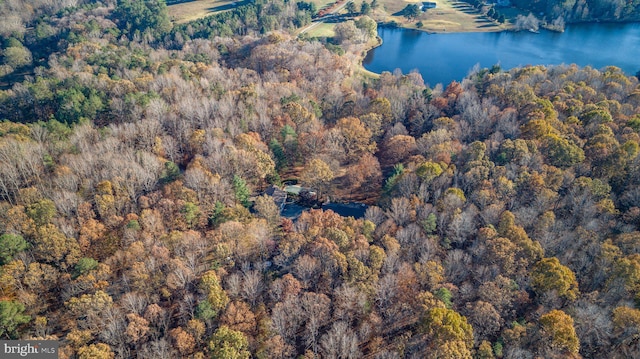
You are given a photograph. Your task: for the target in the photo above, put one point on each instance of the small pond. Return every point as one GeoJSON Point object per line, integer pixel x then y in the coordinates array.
{"type": "Point", "coordinates": [356, 210]}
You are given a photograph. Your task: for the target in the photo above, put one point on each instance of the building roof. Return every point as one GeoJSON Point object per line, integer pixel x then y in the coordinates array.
{"type": "Point", "coordinates": [279, 196]}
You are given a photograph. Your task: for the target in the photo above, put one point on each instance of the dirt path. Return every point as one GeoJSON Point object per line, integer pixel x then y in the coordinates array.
{"type": "Point", "coordinates": [322, 20]}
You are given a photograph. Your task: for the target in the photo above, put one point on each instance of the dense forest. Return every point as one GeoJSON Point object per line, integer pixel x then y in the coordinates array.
{"type": "Point", "coordinates": [134, 155]}
{"type": "Point", "coordinates": [583, 10]}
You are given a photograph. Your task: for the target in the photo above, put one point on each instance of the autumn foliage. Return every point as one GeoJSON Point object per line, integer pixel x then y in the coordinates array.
{"type": "Point", "coordinates": [503, 209]}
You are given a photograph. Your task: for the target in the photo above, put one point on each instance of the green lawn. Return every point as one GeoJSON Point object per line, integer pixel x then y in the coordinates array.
{"type": "Point", "coordinates": [448, 16]}
{"type": "Point", "coordinates": [322, 30]}
{"type": "Point", "coordinates": [193, 10]}
{"type": "Point", "coordinates": [322, 3]}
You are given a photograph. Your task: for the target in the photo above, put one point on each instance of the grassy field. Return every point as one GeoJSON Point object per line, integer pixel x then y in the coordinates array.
{"type": "Point", "coordinates": [196, 9]}
{"type": "Point", "coordinates": [322, 3]}
{"type": "Point", "coordinates": [448, 16]}
{"type": "Point", "coordinates": [193, 10]}
{"type": "Point", "coordinates": [322, 30]}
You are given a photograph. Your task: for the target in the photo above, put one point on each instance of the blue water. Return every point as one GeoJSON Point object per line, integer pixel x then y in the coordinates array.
{"type": "Point", "coordinates": [442, 58]}
{"type": "Point", "coordinates": [356, 210]}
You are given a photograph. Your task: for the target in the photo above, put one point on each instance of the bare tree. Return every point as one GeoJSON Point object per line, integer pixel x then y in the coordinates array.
{"type": "Point", "coordinates": [252, 286]}
{"type": "Point", "coordinates": [286, 318]}
{"type": "Point", "coordinates": [306, 269]}
{"type": "Point", "coordinates": [340, 342]}
{"type": "Point", "coordinates": [157, 349]}
{"type": "Point", "coordinates": [401, 211]}
{"type": "Point", "coordinates": [316, 309]}
{"type": "Point", "coordinates": [349, 303]}
{"type": "Point", "coordinates": [133, 302]}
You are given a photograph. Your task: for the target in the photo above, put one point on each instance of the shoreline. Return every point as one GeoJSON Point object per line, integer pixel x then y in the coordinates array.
{"type": "Point", "coordinates": [575, 34]}
{"type": "Point", "coordinates": [360, 69]}
{"type": "Point", "coordinates": [448, 16]}
{"type": "Point", "coordinates": [396, 25]}
{"type": "Point", "coordinates": [359, 66]}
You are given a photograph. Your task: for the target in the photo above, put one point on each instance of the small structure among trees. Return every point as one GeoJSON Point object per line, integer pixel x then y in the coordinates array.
{"type": "Point", "coordinates": [279, 196]}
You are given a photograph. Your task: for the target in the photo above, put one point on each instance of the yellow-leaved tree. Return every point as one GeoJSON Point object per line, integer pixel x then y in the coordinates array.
{"type": "Point", "coordinates": [449, 334]}
{"type": "Point", "coordinates": [558, 335]}
{"type": "Point", "coordinates": [317, 174]}
{"type": "Point", "coordinates": [550, 277]}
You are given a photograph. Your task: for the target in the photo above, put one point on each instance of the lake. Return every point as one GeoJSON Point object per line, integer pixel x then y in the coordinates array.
{"type": "Point", "coordinates": [442, 58]}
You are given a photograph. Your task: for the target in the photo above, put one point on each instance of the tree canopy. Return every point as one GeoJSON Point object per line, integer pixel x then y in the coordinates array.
{"type": "Point", "coordinates": [142, 17]}
{"type": "Point", "coordinates": [136, 160]}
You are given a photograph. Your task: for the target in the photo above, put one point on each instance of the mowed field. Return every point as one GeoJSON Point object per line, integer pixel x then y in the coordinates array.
{"type": "Point", "coordinates": [197, 9]}
{"type": "Point", "coordinates": [193, 10]}
{"type": "Point", "coordinates": [322, 3]}
{"type": "Point", "coordinates": [322, 30]}
{"type": "Point", "coordinates": [448, 16]}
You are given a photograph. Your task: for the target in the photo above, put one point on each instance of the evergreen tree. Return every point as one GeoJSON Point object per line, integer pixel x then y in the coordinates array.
{"type": "Point", "coordinates": [142, 17]}
{"type": "Point", "coordinates": [241, 191]}
{"type": "Point", "coordinates": [11, 318]}
{"type": "Point", "coordinates": [10, 245]}
{"type": "Point", "coordinates": [365, 8]}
